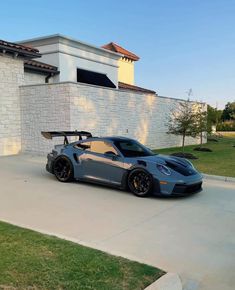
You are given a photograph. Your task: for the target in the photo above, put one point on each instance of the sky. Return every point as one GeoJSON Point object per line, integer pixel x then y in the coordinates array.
{"type": "Point", "coordinates": [182, 44]}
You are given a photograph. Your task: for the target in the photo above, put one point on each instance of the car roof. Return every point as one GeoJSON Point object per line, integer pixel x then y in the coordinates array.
{"type": "Point", "coordinates": [108, 138]}
{"type": "Point", "coordinates": [117, 138]}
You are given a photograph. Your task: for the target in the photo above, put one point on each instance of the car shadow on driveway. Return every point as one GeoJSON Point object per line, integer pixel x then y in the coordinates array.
{"type": "Point", "coordinates": [122, 191]}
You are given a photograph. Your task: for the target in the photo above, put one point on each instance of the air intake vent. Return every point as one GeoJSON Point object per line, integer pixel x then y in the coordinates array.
{"type": "Point", "coordinates": [182, 169]}
{"type": "Point", "coordinates": [141, 162]}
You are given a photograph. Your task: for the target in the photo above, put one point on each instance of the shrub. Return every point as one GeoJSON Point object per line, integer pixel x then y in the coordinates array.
{"type": "Point", "coordinates": [226, 126]}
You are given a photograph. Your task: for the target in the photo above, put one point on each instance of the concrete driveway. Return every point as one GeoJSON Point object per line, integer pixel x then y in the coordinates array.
{"type": "Point", "coordinates": [194, 236]}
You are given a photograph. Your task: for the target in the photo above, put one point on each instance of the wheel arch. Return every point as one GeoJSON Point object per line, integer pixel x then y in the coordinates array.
{"type": "Point", "coordinates": [68, 158]}
{"type": "Point", "coordinates": [128, 171]}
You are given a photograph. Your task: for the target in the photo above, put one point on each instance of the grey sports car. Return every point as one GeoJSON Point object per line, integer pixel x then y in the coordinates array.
{"type": "Point", "coordinates": [121, 162]}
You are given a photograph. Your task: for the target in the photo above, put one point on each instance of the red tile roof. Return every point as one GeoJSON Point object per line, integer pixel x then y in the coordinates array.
{"type": "Point", "coordinates": [40, 66]}
{"type": "Point", "coordinates": [117, 48]}
{"type": "Point", "coordinates": [129, 87]}
{"type": "Point", "coordinates": [21, 49]}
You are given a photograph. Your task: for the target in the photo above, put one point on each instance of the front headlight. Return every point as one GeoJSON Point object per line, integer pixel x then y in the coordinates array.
{"type": "Point", "coordinates": [163, 169]}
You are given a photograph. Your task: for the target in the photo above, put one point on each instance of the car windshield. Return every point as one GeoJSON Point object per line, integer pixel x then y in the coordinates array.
{"type": "Point", "coordinates": [131, 148]}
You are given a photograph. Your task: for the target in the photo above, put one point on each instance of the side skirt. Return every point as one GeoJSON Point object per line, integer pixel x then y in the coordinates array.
{"type": "Point", "coordinates": [99, 182]}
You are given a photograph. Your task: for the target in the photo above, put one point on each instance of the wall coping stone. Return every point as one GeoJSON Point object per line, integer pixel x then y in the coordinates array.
{"type": "Point", "coordinates": [105, 88]}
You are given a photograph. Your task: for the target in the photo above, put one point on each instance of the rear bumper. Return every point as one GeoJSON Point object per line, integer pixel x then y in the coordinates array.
{"type": "Point", "coordinates": [50, 163]}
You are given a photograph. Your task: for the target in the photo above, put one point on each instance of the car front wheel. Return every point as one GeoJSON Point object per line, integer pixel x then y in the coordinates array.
{"type": "Point", "coordinates": [63, 169]}
{"type": "Point", "coordinates": [140, 182]}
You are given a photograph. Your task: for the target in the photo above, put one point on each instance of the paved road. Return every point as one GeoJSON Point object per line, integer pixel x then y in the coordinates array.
{"type": "Point", "coordinates": [193, 236]}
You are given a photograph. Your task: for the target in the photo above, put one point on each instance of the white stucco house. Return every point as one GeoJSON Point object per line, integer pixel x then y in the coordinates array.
{"type": "Point", "coordinates": [68, 55]}
{"type": "Point", "coordinates": [59, 83]}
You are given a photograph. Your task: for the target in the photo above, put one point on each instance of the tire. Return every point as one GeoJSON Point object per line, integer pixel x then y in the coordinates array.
{"type": "Point", "coordinates": [140, 182]}
{"type": "Point", "coordinates": [63, 169]}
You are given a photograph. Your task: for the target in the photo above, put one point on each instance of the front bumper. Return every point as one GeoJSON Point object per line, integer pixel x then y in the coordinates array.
{"type": "Point", "coordinates": [178, 187]}
{"type": "Point", "coordinates": [181, 190]}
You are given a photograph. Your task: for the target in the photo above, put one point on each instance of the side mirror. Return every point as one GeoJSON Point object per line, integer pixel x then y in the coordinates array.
{"type": "Point", "coordinates": [115, 157]}
{"type": "Point", "coordinates": [111, 154]}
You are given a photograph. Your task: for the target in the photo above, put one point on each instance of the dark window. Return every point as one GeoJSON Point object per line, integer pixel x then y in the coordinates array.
{"type": "Point", "coordinates": [131, 148]}
{"type": "Point", "coordinates": [94, 78]}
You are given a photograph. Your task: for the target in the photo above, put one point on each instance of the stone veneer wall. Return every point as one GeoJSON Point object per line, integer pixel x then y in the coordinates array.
{"type": "Point", "coordinates": [103, 111]}
{"type": "Point", "coordinates": [43, 108]}
{"type": "Point", "coordinates": [11, 77]}
{"type": "Point", "coordinates": [34, 78]}
{"type": "Point", "coordinates": [118, 112]}
{"type": "Point", "coordinates": [31, 78]}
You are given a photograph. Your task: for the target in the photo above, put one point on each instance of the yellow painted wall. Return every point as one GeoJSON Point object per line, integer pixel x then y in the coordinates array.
{"type": "Point", "coordinates": [126, 71]}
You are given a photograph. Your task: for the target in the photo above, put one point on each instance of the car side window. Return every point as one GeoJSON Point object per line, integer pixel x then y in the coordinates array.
{"type": "Point", "coordinates": [102, 147]}
{"type": "Point", "coordinates": [83, 145]}
{"type": "Point", "coordinates": [130, 146]}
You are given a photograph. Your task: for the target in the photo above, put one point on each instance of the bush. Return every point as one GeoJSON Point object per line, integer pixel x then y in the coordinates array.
{"type": "Point", "coordinates": [226, 126]}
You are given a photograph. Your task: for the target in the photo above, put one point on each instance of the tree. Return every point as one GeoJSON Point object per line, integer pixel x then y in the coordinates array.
{"type": "Point", "coordinates": [213, 117]}
{"type": "Point", "coordinates": [201, 122]}
{"type": "Point", "coordinates": [182, 121]}
{"type": "Point", "coordinates": [229, 112]}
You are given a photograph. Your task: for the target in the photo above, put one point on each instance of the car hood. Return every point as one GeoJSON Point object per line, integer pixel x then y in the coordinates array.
{"type": "Point", "coordinates": [180, 165]}
{"type": "Point", "coordinates": [162, 159]}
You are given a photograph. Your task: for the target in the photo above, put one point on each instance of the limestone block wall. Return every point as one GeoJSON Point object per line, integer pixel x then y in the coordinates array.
{"type": "Point", "coordinates": [11, 77]}
{"type": "Point", "coordinates": [102, 111]}
{"type": "Point", "coordinates": [105, 111]}
{"type": "Point", "coordinates": [31, 78]}
{"type": "Point", "coordinates": [43, 108]}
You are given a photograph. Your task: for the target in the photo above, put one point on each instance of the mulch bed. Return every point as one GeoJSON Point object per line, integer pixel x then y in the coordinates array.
{"type": "Point", "coordinates": [203, 149]}
{"type": "Point", "coordinates": [212, 139]}
{"type": "Point", "coordinates": [184, 155]}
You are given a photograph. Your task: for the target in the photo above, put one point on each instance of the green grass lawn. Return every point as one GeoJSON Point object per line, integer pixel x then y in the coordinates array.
{"type": "Point", "coordinates": [219, 162]}
{"type": "Point", "coordinates": [30, 260]}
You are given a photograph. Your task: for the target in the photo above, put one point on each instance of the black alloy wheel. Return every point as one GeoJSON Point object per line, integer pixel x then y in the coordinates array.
{"type": "Point", "coordinates": [63, 169]}
{"type": "Point", "coordinates": [140, 182]}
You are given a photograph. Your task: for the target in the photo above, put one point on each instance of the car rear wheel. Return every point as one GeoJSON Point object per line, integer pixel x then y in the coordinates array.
{"type": "Point", "coordinates": [140, 182]}
{"type": "Point", "coordinates": [63, 169]}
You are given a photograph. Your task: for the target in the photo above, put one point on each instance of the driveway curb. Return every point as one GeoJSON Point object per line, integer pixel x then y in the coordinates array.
{"type": "Point", "coordinates": [220, 178]}
{"type": "Point", "coordinates": [169, 281]}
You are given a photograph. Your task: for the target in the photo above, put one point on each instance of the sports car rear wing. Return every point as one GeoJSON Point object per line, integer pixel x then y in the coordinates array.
{"type": "Point", "coordinates": [66, 134]}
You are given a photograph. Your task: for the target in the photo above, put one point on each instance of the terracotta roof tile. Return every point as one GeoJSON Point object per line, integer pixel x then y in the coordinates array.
{"type": "Point", "coordinates": [39, 65]}
{"type": "Point", "coordinates": [117, 48]}
{"type": "Point", "coordinates": [134, 88]}
{"type": "Point", "coordinates": [22, 49]}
